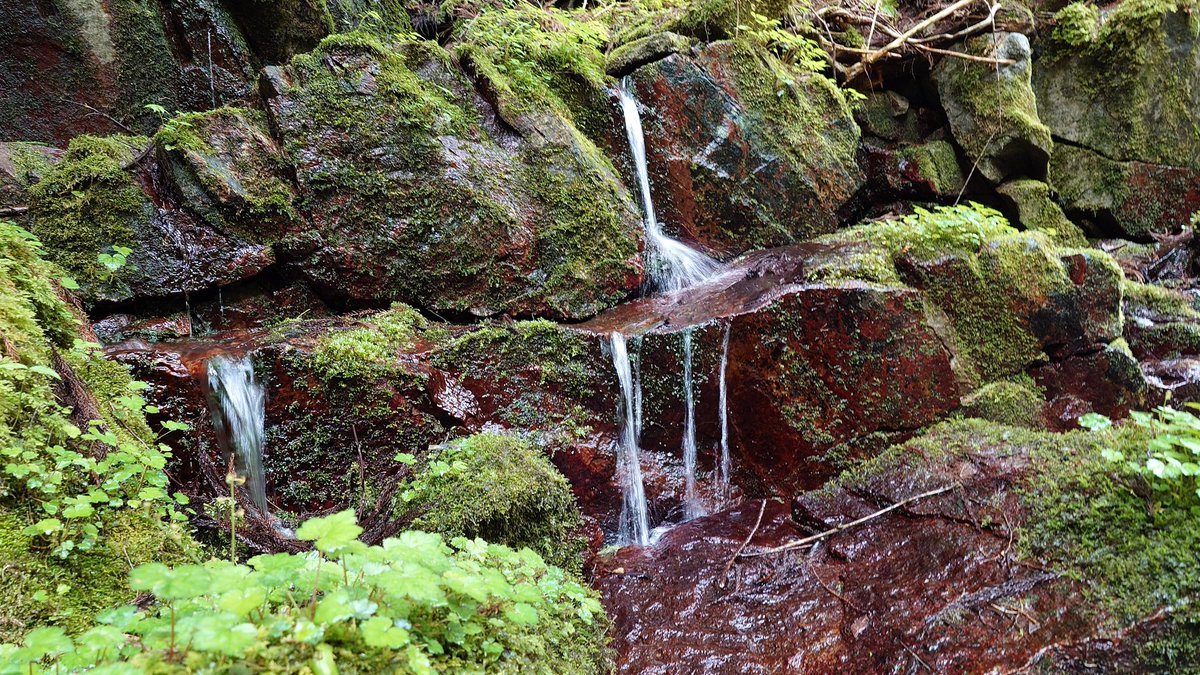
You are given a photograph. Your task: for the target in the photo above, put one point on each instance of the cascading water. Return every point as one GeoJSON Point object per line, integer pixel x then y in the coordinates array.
{"type": "Point", "coordinates": [691, 507]}
{"type": "Point", "coordinates": [238, 415]}
{"type": "Point", "coordinates": [671, 264]}
{"type": "Point", "coordinates": [723, 467]}
{"type": "Point", "coordinates": [635, 521]}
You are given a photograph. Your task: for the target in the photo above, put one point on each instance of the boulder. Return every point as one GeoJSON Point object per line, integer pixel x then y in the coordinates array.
{"type": "Point", "coordinates": [87, 66]}
{"type": "Point", "coordinates": [1036, 210]}
{"type": "Point", "coordinates": [932, 584]}
{"type": "Point", "coordinates": [743, 151]}
{"type": "Point", "coordinates": [418, 191]}
{"type": "Point", "coordinates": [1130, 199]}
{"type": "Point", "coordinates": [992, 110]}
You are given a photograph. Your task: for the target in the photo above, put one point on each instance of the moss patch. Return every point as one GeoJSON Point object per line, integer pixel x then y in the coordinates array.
{"type": "Point", "coordinates": [503, 489]}
{"type": "Point", "coordinates": [1017, 402]}
{"type": "Point", "coordinates": [89, 203]}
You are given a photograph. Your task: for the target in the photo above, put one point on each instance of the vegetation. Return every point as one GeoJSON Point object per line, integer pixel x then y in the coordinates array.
{"type": "Point", "coordinates": [413, 604]}
{"type": "Point", "coordinates": [500, 488]}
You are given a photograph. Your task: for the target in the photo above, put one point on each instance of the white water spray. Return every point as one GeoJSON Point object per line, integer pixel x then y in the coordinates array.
{"type": "Point", "coordinates": [671, 264]}
{"type": "Point", "coordinates": [635, 521]}
{"type": "Point", "coordinates": [239, 418]}
{"type": "Point", "coordinates": [691, 506]}
{"type": "Point", "coordinates": [724, 467]}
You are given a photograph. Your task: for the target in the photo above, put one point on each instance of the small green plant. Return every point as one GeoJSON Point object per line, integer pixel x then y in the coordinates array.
{"type": "Point", "coordinates": [791, 48]}
{"type": "Point", "coordinates": [1170, 460]}
{"type": "Point", "coordinates": [113, 262]}
{"type": "Point", "coordinates": [413, 604]}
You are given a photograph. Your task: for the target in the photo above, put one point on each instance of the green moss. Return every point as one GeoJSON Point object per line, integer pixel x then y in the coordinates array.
{"type": "Point", "coordinates": [36, 325]}
{"type": "Point", "coordinates": [278, 29]}
{"type": "Point", "coordinates": [1037, 211]}
{"type": "Point", "coordinates": [1017, 402]}
{"type": "Point", "coordinates": [1076, 25]}
{"type": "Point", "coordinates": [371, 350]}
{"type": "Point", "coordinates": [556, 356]}
{"type": "Point", "coordinates": [41, 589]}
{"type": "Point", "coordinates": [503, 489]}
{"type": "Point", "coordinates": [88, 203]}
{"type": "Point", "coordinates": [1161, 301]}
{"type": "Point", "coordinates": [937, 163]}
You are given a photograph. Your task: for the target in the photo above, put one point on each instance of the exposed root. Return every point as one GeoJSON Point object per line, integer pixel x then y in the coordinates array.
{"type": "Point", "coordinates": [753, 531]}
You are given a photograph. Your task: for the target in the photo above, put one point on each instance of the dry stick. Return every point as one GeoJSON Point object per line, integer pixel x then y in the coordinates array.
{"type": "Point", "coordinates": [869, 59]}
{"type": "Point", "coordinates": [969, 57]}
{"type": "Point", "coordinates": [13, 210]}
{"type": "Point", "coordinates": [103, 114]}
{"type": "Point", "coordinates": [813, 571]}
{"type": "Point", "coordinates": [969, 30]}
{"type": "Point", "coordinates": [841, 528]}
{"type": "Point", "coordinates": [874, 20]}
{"type": "Point", "coordinates": [725, 574]}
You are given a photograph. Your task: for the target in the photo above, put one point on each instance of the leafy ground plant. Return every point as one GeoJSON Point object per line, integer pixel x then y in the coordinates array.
{"type": "Point", "coordinates": [1170, 460]}
{"type": "Point", "coordinates": [413, 605]}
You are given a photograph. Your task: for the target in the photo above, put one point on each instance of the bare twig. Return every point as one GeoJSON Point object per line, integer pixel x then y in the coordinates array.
{"type": "Point", "coordinates": [101, 113]}
{"type": "Point", "coordinates": [846, 526]}
{"type": "Point", "coordinates": [986, 23]}
{"type": "Point", "coordinates": [861, 66]}
{"type": "Point", "coordinates": [961, 55]}
{"type": "Point", "coordinates": [813, 571]}
{"type": "Point", "coordinates": [13, 210]}
{"type": "Point", "coordinates": [753, 531]}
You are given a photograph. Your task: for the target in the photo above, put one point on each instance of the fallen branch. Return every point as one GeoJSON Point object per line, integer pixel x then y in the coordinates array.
{"type": "Point", "coordinates": [807, 541]}
{"type": "Point", "coordinates": [729, 565]}
{"type": "Point", "coordinates": [103, 114]}
{"type": "Point", "coordinates": [13, 210]}
{"type": "Point", "coordinates": [983, 25]}
{"type": "Point", "coordinates": [869, 59]}
{"type": "Point", "coordinates": [961, 55]}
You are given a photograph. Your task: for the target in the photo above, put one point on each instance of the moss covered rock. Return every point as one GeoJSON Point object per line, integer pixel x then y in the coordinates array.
{"type": "Point", "coordinates": [1130, 199]}
{"type": "Point", "coordinates": [992, 110]}
{"type": "Point", "coordinates": [415, 195]}
{"type": "Point", "coordinates": [1037, 211]}
{"type": "Point", "coordinates": [503, 489]}
{"type": "Point", "coordinates": [1123, 82]}
{"type": "Point", "coordinates": [744, 151]}
{"type": "Point", "coordinates": [1017, 402]}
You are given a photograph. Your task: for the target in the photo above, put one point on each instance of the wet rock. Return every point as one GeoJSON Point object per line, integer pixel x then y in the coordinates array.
{"type": "Point", "coordinates": [22, 165]}
{"type": "Point", "coordinates": [224, 167]}
{"type": "Point", "coordinates": [811, 367]}
{"type": "Point", "coordinates": [1132, 199]}
{"type": "Point", "coordinates": [418, 192]}
{"type": "Point", "coordinates": [923, 587]}
{"type": "Point", "coordinates": [738, 160]}
{"type": "Point", "coordinates": [70, 68]}
{"type": "Point", "coordinates": [925, 171]}
{"type": "Point", "coordinates": [888, 115]}
{"type": "Point", "coordinates": [630, 56]}
{"type": "Point", "coordinates": [279, 30]}
{"type": "Point", "coordinates": [993, 113]}
{"type": "Point", "coordinates": [1108, 382]}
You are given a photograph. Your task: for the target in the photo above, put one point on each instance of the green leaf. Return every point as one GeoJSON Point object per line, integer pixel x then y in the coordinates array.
{"type": "Point", "coordinates": [332, 533]}
{"type": "Point", "coordinates": [522, 614]}
{"type": "Point", "coordinates": [43, 370]}
{"type": "Point", "coordinates": [380, 631]}
{"type": "Point", "coordinates": [48, 641]}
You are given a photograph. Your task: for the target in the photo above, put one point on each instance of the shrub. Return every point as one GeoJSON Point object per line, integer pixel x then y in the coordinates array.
{"type": "Point", "coordinates": [413, 604]}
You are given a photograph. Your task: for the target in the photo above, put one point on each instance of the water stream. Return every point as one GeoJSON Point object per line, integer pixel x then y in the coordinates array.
{"type": "Point", "coordinates": [239, 411]}
{"type": "Point", "coordinates": [724, 466]}
{"type": "Point", "coordinates": [635, 521]}
{"type": "Point", "coordinates": [691, 506]}
{"type": "Point", "coordinates": [671, 264]}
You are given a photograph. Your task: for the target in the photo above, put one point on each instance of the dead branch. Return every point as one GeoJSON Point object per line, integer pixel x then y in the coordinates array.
{"type": "Point", "coordinates": [807, 541]}
{"type": "Point", "coordinates": [729, 565]}
{"type": "Point", "coordinates": [869, 59]}
{"type": "Point", "coordinates": [101, 113]}
{"type": "Point", "coordinates": [961, 55]}
{"type": "Point", "coordinates": [13, 210]}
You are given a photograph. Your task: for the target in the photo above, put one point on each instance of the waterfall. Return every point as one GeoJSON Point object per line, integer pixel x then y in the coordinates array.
{"type": "Point", "coordinates": [724, 466]}
{"type": "Point", "coordinates": [691, 507]}
{"type": "Point", "coordinates": [238, 415]}
{"type": "Point", "coordinates": [671, 264]}
{"type": "Point", "coordinates": [635, 522]}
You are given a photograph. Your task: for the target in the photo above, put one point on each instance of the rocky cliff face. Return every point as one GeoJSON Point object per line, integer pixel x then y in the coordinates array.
{"type": "Point", "coordinates": [421, 223]}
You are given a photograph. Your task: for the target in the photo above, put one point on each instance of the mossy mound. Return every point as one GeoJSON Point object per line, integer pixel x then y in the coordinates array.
{"type": "Point", "coordinates": [1037, 211]}
{"type": "Point", "coordinates": [503, 489]}
{"type": "Point", "coordinates": [1016, 402]}
{"type": "Point", "coordinates": [89, 203]}
{"type": "Point", "coordinates": [67, 528]}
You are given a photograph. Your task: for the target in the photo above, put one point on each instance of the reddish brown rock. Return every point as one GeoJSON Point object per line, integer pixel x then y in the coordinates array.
{"type": "Point", "coordinates": [737, 160]}
{"type": "Point", "coordinates": [924, 587]}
